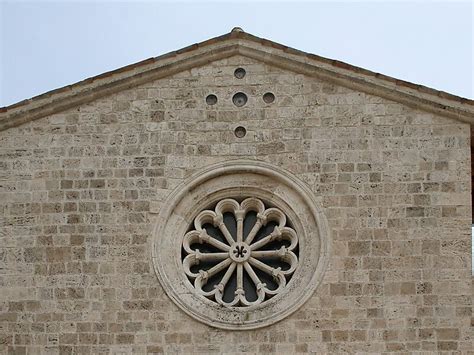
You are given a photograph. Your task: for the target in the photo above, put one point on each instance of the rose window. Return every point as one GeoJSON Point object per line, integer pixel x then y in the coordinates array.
{"type": "Point", "coordinates": [240, 254]}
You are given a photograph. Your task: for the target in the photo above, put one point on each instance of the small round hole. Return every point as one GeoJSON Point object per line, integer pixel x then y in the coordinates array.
{"type": "Point", "coordinates": [240, 132]}
{"type": "Point", "coordinates": [239, 73]}
{"type": "Point", "coordinates": [211, 99]}
{"type": "Point", "coordinates": [239, 99]}
{"type": "Point", "coordinates": [268, 97]}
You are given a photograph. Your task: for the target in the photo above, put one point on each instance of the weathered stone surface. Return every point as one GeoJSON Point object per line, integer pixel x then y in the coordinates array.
{"type": "Point", "coordinates": [80, 191]}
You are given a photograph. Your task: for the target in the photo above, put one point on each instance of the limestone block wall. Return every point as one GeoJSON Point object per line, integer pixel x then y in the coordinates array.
{"type": "Point", "coordinates": [79, 193]}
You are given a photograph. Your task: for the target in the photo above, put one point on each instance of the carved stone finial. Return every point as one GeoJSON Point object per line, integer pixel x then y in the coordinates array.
{"type": "Point", "coordinates": [237, 29]}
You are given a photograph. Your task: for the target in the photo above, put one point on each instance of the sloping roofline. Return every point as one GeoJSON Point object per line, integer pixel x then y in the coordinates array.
{"type": "Point", "coordinates": [237, 42]}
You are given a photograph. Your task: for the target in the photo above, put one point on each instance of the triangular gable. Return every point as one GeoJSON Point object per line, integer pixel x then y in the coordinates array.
{"type": "Point", "coordinates": [238, 42]}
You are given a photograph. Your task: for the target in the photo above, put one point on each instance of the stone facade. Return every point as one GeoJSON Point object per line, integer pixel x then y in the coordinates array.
{"type": "Point", "coordinates": [80, 191]}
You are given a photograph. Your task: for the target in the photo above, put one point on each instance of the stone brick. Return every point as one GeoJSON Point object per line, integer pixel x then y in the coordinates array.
{"type": "Point", "coordinates": [359, 248]}
{"type": "Point", "coordinates": [87, 338]}
{"type": "Point", "coordinates": [17, 350]}
{"type": "Point", "coordinates": [407, 288]}
{"type": "Point", "coordinates": [381, 248]}
{"type": "Point", "coordinates": [125, 338]}
{"type": "Point", "coordinates": [338, 289]}
{"type": "Point", "coordinates": [447, 334]}
{"type": "Point", "coordinates": [58, 254]}
{"type": "Point", "coordinates": [447, 345]}
{"type": "Point", "coordinates": [154, 349]}
{"type": "Point", "coordinates": [144, 305]}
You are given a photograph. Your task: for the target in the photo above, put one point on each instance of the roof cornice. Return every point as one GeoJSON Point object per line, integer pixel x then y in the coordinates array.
{"type": "Point", "coordinates": [238, 43]}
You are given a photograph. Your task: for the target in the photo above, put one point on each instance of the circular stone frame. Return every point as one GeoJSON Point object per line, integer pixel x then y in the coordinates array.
{"type": "Point", "coordinates": [241, 179]}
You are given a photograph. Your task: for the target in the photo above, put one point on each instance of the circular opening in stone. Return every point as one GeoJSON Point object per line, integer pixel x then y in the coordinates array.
{"type": "Point", "coordinates": [211, 99]}
{"type": "Point", "coordinates": [240, 132]}
{"type": "Point", "coordinates": [239, 73]}
{"type": "Point", "coordinates": [268, 97]}
{"type": "Point", "coordinates": [239, 99]}
{"type": "Point", "coordinates": [176, 241]}
{"type": "Point", "coordinates": [241, 252]}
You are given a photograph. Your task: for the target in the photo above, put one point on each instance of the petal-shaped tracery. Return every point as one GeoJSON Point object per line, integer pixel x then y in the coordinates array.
{"type": "Point", "coordinates": [282, 254]}
{"type": "Point", "coordinates": [205, 217]}
{"type": "Point", "coordinates": [277, 275]}
{"type": "Point", "coordinates": [259, 286]}
{"type": "Point", "coordinates": [233, 256]}
{"type": "Point", "coordinates": [252, 204]}
{"type": "Point", "coordinates": [201, 237]}
{"type": "Point", "coordinates": [278, 234]}
{"type": "Point", "coordinates": [227, 205]}
{"type": "Point", "coordinates": [230, 205]}
{"type": "Point", "coordinates": [204, 276]}
{"type": "Point", "coordinates": [274, 214]}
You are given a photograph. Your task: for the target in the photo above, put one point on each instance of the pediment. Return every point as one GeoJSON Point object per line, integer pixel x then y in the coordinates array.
{"type": "Point", "coordinates": [240, 43]}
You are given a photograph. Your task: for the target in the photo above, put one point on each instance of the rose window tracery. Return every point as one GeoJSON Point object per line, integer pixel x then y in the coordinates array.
{"type": "Point", "coordinates": [240, 254]}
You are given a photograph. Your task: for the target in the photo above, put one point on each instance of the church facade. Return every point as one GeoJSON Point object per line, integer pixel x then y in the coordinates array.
{"type": "Point", "coordinates": [236, 196]}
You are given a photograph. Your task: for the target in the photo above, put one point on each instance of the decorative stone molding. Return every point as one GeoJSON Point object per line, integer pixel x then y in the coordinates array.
{"type": "Point", "coordinates": [288, 241]}
{"type": "Point", "coordinates": [247, 45]}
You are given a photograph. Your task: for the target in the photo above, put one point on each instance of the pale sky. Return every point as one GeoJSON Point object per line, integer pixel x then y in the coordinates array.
{"type": "Point", "coordinates": [45, 44]}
